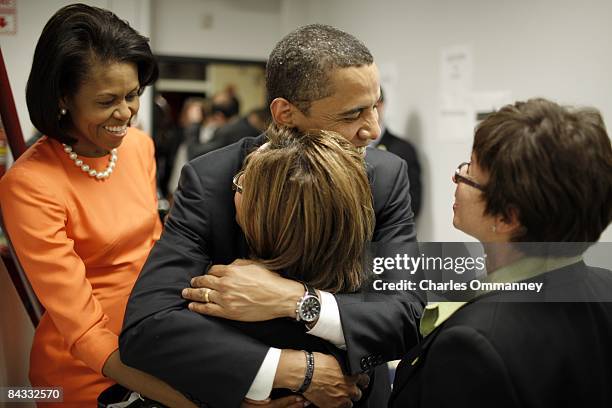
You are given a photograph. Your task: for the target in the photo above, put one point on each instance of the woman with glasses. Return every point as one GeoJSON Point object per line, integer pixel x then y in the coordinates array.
{"type": "Point", "coordinates": [304, 204]}
{"type": "Point", "coordinates": [536, 192]}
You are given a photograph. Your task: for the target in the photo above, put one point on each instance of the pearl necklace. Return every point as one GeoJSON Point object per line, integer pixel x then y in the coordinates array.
{"type": "Point", "coordinates": [93, 172]}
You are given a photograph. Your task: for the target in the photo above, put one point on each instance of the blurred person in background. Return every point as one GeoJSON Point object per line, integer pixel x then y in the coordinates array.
{"type": "Point", "coordinates": [197, 128]}
{"type": "Point", "coordinates": [404, 149]}
{"type": "Point", "coordinates": [193, 115]}
{"type": "Point", "coordinates": [251, 125]}
{"type": "Point", "coordinates": [225, 109]}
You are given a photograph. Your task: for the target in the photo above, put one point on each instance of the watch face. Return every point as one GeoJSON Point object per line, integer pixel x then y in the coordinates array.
{"type": "Point", "coordinates": [310, 309]}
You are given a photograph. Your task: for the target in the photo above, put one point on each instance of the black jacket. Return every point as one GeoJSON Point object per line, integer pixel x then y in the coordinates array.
{"type": "Point", "coordinates": [499, 352]}
{"type": "Point", "coordinates": [214, 361]}
{"type": "Point", "coordinates": [405, 150]}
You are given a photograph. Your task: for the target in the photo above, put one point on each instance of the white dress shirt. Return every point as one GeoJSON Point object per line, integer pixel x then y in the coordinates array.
{"type": "Point", "coordinates": [328, 328]}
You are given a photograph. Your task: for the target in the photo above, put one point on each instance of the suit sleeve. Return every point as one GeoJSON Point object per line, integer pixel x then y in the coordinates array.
{"type": "Point", "coordinates": [35, 217]}
{"type": "Point", "coordinates": [463, 369]}
{"type": "Point", "coordinates": [383, 327]}
{"type": "Point", "coordinates": [204, 357]}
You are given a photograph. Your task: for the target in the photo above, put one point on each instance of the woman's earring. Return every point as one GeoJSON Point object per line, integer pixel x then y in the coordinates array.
{"type": "Point", "coordinates": [494, 228]}
{"type": "Point", "coordinates": [63, 112]}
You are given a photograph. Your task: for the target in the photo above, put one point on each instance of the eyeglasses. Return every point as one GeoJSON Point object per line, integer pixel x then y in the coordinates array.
{"type": "Point", "coordinates": [236, 182]}
{"type": "Point", "coordinates": [458, 177]}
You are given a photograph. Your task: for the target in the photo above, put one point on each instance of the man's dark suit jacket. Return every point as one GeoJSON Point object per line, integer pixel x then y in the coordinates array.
{"type": "Point", "coordinates": [406, 151]}
{"type": "Point", "coordinates": [214, 361]}
{"type": "Point", "coordinates": [496, 353]}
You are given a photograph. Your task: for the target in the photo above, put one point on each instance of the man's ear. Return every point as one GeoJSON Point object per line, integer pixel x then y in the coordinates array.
{"type": "Point", "coordinates": [283, 112]}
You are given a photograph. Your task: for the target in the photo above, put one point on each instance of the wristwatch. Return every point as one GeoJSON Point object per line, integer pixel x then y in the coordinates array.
{"type": "Point", "coordinates": [308, 307]}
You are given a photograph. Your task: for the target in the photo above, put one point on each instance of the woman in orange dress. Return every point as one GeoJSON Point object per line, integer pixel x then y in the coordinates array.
{"type": "Point", "coordinates": [80, 205]}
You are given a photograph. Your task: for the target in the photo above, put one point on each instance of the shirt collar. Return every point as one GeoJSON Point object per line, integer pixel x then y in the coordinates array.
{"type": "Point", "coordinates": [529, 267]}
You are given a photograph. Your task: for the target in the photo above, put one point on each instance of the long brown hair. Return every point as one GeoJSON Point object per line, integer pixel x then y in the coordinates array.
{"type": "Point", "coordinates": [307, 208]}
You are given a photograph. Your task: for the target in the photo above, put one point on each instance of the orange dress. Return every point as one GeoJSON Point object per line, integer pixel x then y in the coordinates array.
{"type": "Point", "coordinates": [82, 243]}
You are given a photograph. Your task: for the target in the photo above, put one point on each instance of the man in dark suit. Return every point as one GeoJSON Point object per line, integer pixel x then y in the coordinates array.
{"type": "Point", "coordinates": [317, 77]}
{"type": "Point", "coordinates": [404, 149]}
{"type": "Point", "coordinates": [536, 193]}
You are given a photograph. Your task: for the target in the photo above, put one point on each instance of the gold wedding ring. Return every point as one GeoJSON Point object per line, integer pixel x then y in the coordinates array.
{"type": "Point", "coordinates": [206, 292]}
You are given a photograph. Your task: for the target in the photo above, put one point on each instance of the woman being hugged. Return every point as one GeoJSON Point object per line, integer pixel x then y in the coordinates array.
{"type": "Point", "coordinates": [80, 204]}
{"type": "Point", "coordinates": [304, 204]}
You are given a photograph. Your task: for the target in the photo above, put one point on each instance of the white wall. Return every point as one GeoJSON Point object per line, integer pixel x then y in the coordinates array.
{"type": "Point", "coordinates": [238, 29]}
{"type": "Point", "coordinates": [559, 49]}
{"type": "Point", "coordinates": [18, 50]}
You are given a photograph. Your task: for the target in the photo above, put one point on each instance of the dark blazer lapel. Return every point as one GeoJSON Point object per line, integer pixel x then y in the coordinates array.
{"type": "Point", "coordinates": [410, 364]}
{"type": "Point", "coordinates": [384, 140]}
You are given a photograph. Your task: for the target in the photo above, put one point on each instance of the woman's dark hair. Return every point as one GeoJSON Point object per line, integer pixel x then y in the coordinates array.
{"type": "Point", "coordinates": [76, 37]}
{"type": "Point", "coordinates": [552, 166]}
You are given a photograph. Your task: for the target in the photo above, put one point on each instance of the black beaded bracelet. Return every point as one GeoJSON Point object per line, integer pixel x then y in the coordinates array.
{"type": "Point", "coordinates": [309, 372]}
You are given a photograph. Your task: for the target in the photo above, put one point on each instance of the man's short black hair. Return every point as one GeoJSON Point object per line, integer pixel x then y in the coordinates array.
{"type": "Point", "coordinates": [75, 38]}
{"type": "Point", "coordinates": [300, 64]}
